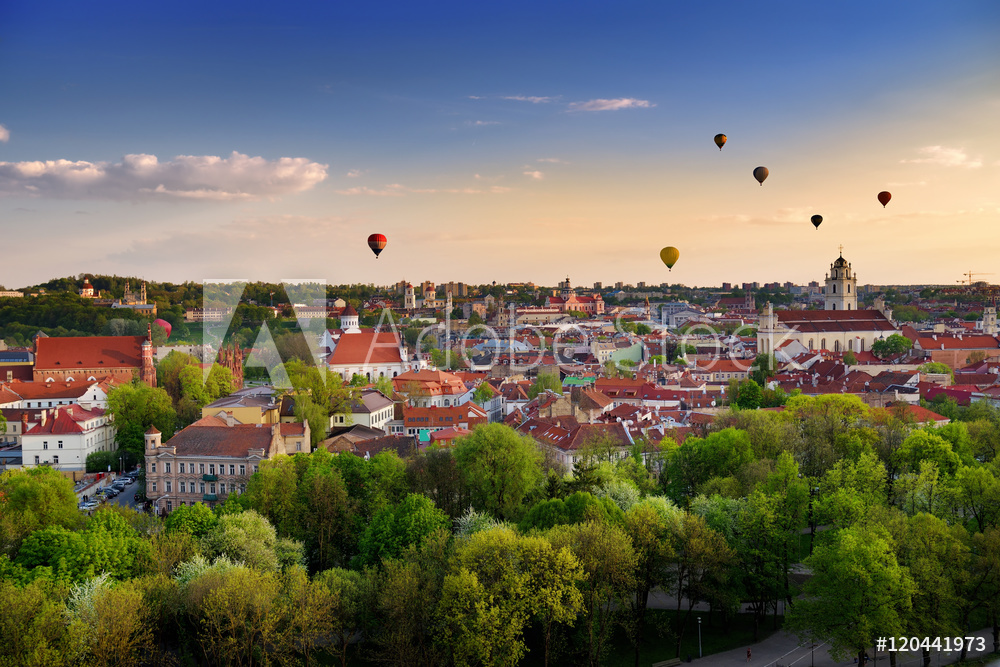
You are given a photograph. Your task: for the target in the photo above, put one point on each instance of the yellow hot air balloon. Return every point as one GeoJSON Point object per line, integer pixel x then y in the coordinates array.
{"type": "Point", "coordinates": [669, 256]}
{"type": "Point", "coordinates": [720, 140]}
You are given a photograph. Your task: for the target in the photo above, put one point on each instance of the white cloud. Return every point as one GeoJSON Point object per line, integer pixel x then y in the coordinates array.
{"type": "Point", "coordinates": [355, 173]}
{"type": "Point", "coordinates": [528, 98]}
{"type": "Point", "coordinates": [143, 177]}
{"type": "Point", "coordinates": [365, 190]}
{"type": "Point", "coordinates": [537, 175]}
{"type": "Point", "coordinates": [946, 157]}
{"type": "Point", "coordinates": [476, 97]}
{"type": "Point", "coordinates": [610, 105]}
{"type": "Point", "coordinates": [480, 123]}
{"type": "Point", "coordinates": [554, 160]}
{"type": "Point", "coordinates": [4, 134]}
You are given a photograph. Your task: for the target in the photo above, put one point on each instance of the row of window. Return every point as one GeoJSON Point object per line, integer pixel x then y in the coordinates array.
{"type": "Point", "coordinates": [55, 460]}
{"type": "Point", "coordinates": [198, 487]}
{"type": "Point", "coordinates": [189, 468]}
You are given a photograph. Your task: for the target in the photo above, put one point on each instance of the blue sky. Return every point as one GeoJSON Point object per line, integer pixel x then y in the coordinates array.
{"type": "Point", "coordinates": [500, 142]}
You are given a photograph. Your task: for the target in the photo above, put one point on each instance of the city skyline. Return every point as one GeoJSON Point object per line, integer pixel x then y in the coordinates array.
{"type": "Point", "coordinates": [262, 142]}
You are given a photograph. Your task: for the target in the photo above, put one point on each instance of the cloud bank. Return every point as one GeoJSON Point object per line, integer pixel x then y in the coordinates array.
{"type": "Point", "coordinates": [946, 157]}
{"type": "Point", "coordinates": [611, 105]}
{"type": "Point", "coordinates": [4, 134]}
{"type": "Point", "coordinates": [144, 177]}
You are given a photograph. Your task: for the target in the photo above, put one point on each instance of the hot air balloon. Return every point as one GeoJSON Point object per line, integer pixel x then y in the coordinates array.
{"type": "Point", "coordinates": [760, 173]}
{"type": "Point", "coordinates": [669, 256]}
{"type": "Point", "coordinates": [816, 219]}
{"type": "Point", "coordinates": [884, 197]}
{"type": "Point", "coordinates": [720, 140]}
{"type": "Point", "coordinates": [166, 326]}
{"type": "Point", "coordinates": [377, 243]}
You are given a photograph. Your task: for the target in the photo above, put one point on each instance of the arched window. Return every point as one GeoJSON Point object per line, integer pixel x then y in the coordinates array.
{"type": "Point", "coordinates": [836, 346]}
{"type": "Point", "coordinates": [811, 346]}
{"type": "Point", "coordinates": [848, 305]}
{"type": "Point", "coordinates": [861, 345]}
{"type": "Point", "coordinates": [848, 288]}
{"type": "Point", "coordinates": [834, 306]}
{"type": "Point", "coordinates": [834, 289]}
{"type": "Point", "coordinates": [822, 343]}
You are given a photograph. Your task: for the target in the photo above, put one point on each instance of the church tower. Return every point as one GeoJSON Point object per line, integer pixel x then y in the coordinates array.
{"type": "Point", "coordinates": [841, 290]}
{"type": "Point", "coordinates": [990, 320]}
{"type": "Point", "coordinates": [410, 299]}
{"type": "Point", "coordinates": [568, 292]}
{"type": "Point", "coordinates": [349, 320]}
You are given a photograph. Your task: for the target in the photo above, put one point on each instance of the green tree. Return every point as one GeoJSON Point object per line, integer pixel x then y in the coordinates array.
{"type": "Point", "coordinates": [34, 631]}
{"type": "Point", "coordinates": [748, 395]}
{"type": "Point", "coordinates": [500, 468]}
{"type": "Point", "coordinates": [32, 499]}
{"type": "Point", "coordinates": [135, 407]}
{"type": "Point", "coordinates": [858, 592]}
{"type": "Point", "coordinates": [246, 537]}
{"type": "Point", "coordinates": [168, 372]}
{"type": "Point", "coordinates": [892, 346]}
{"type": "Point", "coordinates": [850, 359]}
{"type": "Point", "coordinates": [196, 520]}
{"type": "Point", "coordinates": [922, 445]}
{"type": "Point", "coordinates": [499, 581]}
{"type": "Point", "coordinates": [395, 528]}
{"type": "Point", "coordinates": [764, 368]}
{"type": "Point", "coordinates": [347, 592]}
{"type": "Point", "coordinates": [545, 381]}
{"type": "Point", "coordinates": [609, 563]}
{"type": "Point", "coordinates": [483, 393]}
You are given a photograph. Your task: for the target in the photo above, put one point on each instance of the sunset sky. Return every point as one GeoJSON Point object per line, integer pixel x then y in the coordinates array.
{"type": "Point", "coordinates": [514, 141]}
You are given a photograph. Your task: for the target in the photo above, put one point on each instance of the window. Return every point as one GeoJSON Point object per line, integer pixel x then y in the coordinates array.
{"type": "Point", "coordinates": [183, 487]}
{"type": "Point", "coordinates": [834, 289]}
{"type": "Point", "coordinates": [848, 288]}
{"type": "Point", "coordinates": [232, 470]}
{"type": "Point", "coordinates": [166, 467]}
{"type": "Point", "coordinates": [201, 468]}
{"type": "Point", "coordinates": [170, 505]}
{"type": "Point", "coordinates": [211, 487]}
{"type": "Point", "coordinates": [55, 459]}
{"type": "Point", "coordinates": [243, 487]}
{"type": "Point", "coordinates": [180, 467]}
{"type": "Point", "coordinates": [45, 445]}
{"type": "Point", "coordinates": [152, 468]}
{"type": "Point", "coordinates": [222, 487]}
{"type": "Point", "coordinates": [298, 446]}
{"type": "Point", "coordinates": [211, 468]}
{"type": "Point", "coordinates": [60, 444]}
{"type": "Point", "coordinates": [154, 487]}
{"type": "Point", "coordinates": [36, 460]}
{"type": "Point", "coordinates": [168, 487]}
{"type": "Point", "coordinates": [255, 468]}
{"type": "Point", "coordinates": [202, 486]}
{"type": "Point", "coordinates": [243, 469]}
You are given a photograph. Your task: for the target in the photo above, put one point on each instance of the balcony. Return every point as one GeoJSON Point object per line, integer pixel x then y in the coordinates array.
{"type": "Point", "coordinates": [210, 478]}
{"type": "Point", "coordinates": [209, 497]}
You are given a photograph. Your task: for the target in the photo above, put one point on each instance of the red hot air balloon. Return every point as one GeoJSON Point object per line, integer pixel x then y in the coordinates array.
{"type": "Point", "coordinates": [720, 140]}
{"type": "Point", "coordinates": [377, 243]}
{"type": "Point", "coordinates": [166, 326]}
{"type": "Point", "coordinates": [884, 197]}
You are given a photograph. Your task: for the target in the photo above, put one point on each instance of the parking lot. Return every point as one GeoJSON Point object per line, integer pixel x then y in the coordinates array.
{"type": "Point", "coordinates": [124, 497]}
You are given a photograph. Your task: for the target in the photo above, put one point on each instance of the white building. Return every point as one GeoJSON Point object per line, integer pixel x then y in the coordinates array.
{"type": "Point", "coordinates": [65, 436]}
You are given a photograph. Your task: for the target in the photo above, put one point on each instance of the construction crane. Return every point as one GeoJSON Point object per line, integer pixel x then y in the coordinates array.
{"type": "Point", "coordinates": [969, 277]}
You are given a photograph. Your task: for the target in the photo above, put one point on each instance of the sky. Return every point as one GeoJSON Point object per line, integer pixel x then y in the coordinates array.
{"type": "Point", "coordinates": [508, 142]}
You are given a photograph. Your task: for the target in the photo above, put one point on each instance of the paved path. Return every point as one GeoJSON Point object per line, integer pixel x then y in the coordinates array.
{"type": "Point", "coordinates": [785, 650]}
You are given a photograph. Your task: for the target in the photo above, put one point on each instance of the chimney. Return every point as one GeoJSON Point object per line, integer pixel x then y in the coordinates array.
{"type": "Point", "coordinates": [44, 415]}
{"type": "Point", "coordinates": [24, 421]}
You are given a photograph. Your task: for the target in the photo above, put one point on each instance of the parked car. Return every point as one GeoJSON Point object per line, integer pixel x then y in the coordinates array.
{"type": "Point", "coordinates": [130, 480]}
{"type": "Point", "coordinates": [111, 492]}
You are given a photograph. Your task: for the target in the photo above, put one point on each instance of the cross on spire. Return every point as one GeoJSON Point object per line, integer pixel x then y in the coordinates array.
{"type": "Point", "coordinates": [841, 248]}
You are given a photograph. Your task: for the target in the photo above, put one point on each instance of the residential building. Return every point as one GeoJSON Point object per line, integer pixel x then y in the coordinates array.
{"type": "Point", "coordinates": [212, 458]}
{"type": "Point", "coordinates": [427, 388]}
{"type": "Point", "coordinates": [65, 436]}
{"type": "Point", "coordinates": [423, 421]}
{"type": "Point", "coordinates": [370, 409]}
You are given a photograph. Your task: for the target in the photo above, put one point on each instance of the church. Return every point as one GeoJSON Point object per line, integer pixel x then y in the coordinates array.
{"type": "Point", "coordinates": [568, 301]}
{"type": "Point", "coordinates": [839, 327]}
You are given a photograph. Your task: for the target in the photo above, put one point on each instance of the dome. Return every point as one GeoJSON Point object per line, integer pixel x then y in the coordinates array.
{"type": "Point", "coordinates": [841, 262]}
{"type": "Point", "coordinates": [349, 311]}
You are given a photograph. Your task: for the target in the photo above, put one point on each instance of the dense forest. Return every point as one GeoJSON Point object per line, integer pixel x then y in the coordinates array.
{"type": "Point", "coordinates": [488, 553]}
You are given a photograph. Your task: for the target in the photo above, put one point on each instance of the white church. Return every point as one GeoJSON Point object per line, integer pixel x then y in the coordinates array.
{"type": "Point", "coordinates": [839, 327]}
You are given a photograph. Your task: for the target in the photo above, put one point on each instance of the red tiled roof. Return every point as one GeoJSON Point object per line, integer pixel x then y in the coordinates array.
{"type": "Point", "coordinates": [206, 440]}
{"type": "Point", "coordinates": [380, 348]}
{"type": "Point", "coordinates": [89, 352]}
{"type": "Point", "coordinates": [65, 420]}
{"type": "Point", "coordinates": [292, 429]}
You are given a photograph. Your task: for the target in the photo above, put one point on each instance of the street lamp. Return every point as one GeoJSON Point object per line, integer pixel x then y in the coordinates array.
{"type": "Point", "coordinates": [121, 464]}
{"type": "Point", "coordinates": [812, 523]}
{"type": "Point", "coordinates": [699, 636]}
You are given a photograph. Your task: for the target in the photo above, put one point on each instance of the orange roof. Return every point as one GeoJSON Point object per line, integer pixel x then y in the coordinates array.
{"type": "Point", "coordinates": [367, 347]}
{"type": "Point", "coordinates": [89, 352]}
{"type": "Point", "coordinates": [65, 420]}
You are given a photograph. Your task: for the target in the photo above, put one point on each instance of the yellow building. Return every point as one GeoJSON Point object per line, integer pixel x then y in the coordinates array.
{"type": "Point", "coordinates": [253, 405]}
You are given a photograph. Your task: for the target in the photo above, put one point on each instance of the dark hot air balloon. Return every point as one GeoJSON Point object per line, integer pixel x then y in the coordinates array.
{"type": "Point", "coordinates": [166, 326]}
{"type": "Point", "coordinates": [884, 197]}
{"type": "Point", "coordinates": [669, 256]}
{"type": "Point", "coordinates": [720, 140]}
{"type": "Point", "coordinates": [377, 243]}
{"type": "Point", "coordinates": [816, 219]}
{"type": "Point", "coordinates": [760, 173]}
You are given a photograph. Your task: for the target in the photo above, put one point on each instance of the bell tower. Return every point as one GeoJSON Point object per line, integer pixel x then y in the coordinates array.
{"type": "Point", "coordinates": [841, 289]}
